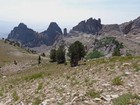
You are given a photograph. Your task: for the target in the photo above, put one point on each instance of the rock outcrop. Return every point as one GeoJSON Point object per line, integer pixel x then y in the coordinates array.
{"type": "Point", "coordinates": [65, 32]}
{"type": "Point", "coordinates": [127, 27]}
{"type": "Point", "coordinates": [27, 37]}
{"type": "Point", "coordinates": [91, 26]}
{"type": "Point", "coordinates": [132, 27]}
{"type": "Point", "coordinates": [52, 33]}
{"type": "Point", "coordinates": [112, 29]}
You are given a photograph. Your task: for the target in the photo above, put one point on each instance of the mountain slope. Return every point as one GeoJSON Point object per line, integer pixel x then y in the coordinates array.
{"type": "Point", "coordinates": [14, 58]}
{"type": "Point", "coordinates": [92, 83]}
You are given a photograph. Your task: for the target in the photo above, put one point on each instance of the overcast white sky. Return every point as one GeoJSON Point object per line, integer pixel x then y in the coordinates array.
{"type": "Point", "coordinates": [67, 13]}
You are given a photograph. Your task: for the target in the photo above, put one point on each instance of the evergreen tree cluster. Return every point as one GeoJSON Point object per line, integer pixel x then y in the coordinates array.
{"type": "Point", "coordinates": [58, 55]}
{"type": "Point", "coordinates": [76, 52]}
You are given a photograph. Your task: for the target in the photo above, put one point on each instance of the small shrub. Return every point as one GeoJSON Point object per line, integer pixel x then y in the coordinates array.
{"type": "Point", "coordinates": [94, 54]}
{"type": "Point", "coordinates": [116, 52]}
{"type": "Point", "coordinates": [93, 94]}
{"type": "Point", "coordinates": [117, 81]}
{"type": "Point", "coordinates": [33, 76]}
{"type": "Point", "coordinates": [39, 59]}
{"type": "Point", "coordinates": [87, 80]}
{"type": "Point", "coordinates": [127, 99]}
{"type": "Point", "coordinates": [15, 96]}
{"type": "Point", "coordinates": [40, 85]}
{"type": "Point", "coordinates": [136, 67]}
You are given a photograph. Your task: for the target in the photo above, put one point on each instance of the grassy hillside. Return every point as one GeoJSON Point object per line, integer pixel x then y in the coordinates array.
{"type": "Point", "coordinates": [105, 81]}
{"type": "Point", "coordinates": [9, 53]}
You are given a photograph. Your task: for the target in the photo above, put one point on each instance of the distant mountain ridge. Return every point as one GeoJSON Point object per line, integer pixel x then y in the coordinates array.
{"type": "Point", "coordinates": [26, 36]}
{"type": "Point", "coordinates": [29, 38]}
{"type": "Point", "coordinates": [93, 27]}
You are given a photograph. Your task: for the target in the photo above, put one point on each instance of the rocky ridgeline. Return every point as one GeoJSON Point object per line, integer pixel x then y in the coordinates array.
{"type": "Point", "coordinates": [91, 26]}
{"type": "Point", "coordinates": [52, 33]}
{"type": "Point", "coordinates": [132, 27]}
{"type": "Point", "coordinates": [127, 28]}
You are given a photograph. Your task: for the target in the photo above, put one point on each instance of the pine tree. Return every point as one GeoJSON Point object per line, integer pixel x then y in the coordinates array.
{"type": "Point", "coordinates": [76, 53]}
{"type": "Point", "coordinates": [53, 55]}
{"type": "Point", "coordinates": [39, 59]}
{"type": "Point", "coordinates": [60, 55]}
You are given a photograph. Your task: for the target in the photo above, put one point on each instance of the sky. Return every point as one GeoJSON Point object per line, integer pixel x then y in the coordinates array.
{"type": "Point", "coordinates": [37, 14]}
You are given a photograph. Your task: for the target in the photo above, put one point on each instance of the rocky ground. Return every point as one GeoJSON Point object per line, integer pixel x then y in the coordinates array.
{"type": "Point", "coordinates": [92, 83]}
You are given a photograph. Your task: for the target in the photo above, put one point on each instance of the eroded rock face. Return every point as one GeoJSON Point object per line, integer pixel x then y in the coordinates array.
{"type": "Point", "coordinates": [127, 28]}
{"type": "Point", "coordinates": [91, 26]}
{"type": "Point", "coordinates": [26, 36]}
{"type": "Point", "coordinates": [52, 33]}
{"type": "Point", "coordinates": [132, 27]}
{"type": "Point", "coordinates": [112, 27]}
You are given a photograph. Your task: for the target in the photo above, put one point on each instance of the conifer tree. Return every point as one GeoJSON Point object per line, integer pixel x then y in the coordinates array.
{"type": "Point", "coordinates": [60, 55]}
{"type": "Point", "coordinates": [53, 55]}
{"type": "Point", "coordinates": [76, 53]}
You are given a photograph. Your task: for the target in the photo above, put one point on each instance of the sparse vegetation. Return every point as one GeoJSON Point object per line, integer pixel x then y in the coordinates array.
{"type": "Point", "coordinates": [94, 54]}
{"type": "Point", "coordinates": [61, 84]}
{"type": "Point", "coordinates": [93, 94]}
{"type": "Point", "coordinates": [116, 52]}
{"type": "Point", "coordinates": [127, 99]}
{"type": "Point", "coordinates": [15, 96]}
{"type": "Point", "coordinates": [117, 81]}
{"type": "Point", "coordinates": [33, 76]}
{"type": "Point", "coordinates": [40, 86]}
{"type": "Point", "coordinates": [111, 43]}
